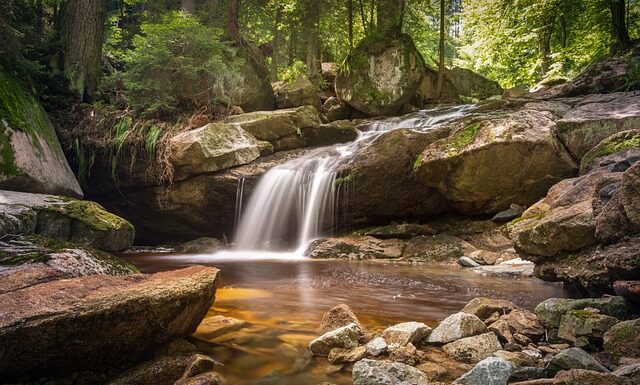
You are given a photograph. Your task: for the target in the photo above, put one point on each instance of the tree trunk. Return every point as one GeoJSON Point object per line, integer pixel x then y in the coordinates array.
{"type": "Point", "coordinates": [275, 55]}
{"type": "Point", "coordinates": [390, 15]}
{"type": "Point", "coordinates": [544, 47]}
{"type": "Point", "coordinates": [350, 13]}
{"type": "Point", "coordinates": [293, 43]}
{"type": "Point", "coordinates": [188, 6]}
{"type": "Point", "coordinates": [441, 66]}
{"type": "Point", "coordinates": [365, 26]}
{"type": "Point", "coordinates": [563, 31]}
{"type": "Point", "coordinates": [620, 35]}
{"type": "Point", "coordinates": [313, 38]}
{"type": "Point", "coordinates": [233, 28]}
{"type": "Point", "coordinates": [83, 37]}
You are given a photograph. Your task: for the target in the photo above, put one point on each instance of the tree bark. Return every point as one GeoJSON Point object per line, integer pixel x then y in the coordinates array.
{"type": "Point", "coordinates": [544, 47]}
{"type": "Point", "coordinates": [441, 66]}
{"type": "Point", "coordinates": [620, 35]}
{"type": "Point", "coordinates": [350, 13]}
{"type": "Point", "coordinates": [365, 26]}
{"type": "Point", "coordinates": [390, 15]}
{"type": "Point", "coordinates": [188, 6]}
{"type": "Point", "coordinates": [275, 55]}
{"type": "Point", "coordinates": [83, 37]}
{"type": "Point", "coordinates": [313, 38]}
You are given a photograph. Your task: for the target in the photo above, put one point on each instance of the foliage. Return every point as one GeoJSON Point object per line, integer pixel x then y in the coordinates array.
{"type": "Point", "coordinates": [294, 71]}
{"type": "Point", "coordinates": [179, 64]}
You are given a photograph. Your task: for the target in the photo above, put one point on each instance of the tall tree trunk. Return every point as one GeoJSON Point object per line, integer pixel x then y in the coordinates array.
{"type": "Point", "coordinates": [188, 6]}
{"type": "Point", "coordinates": [544, 47]}
{"type": "Point", "coordinates": [275, 55]}
{"type": "Point", "coordinates": [390, 15]}
{"type": "Point", "coordinates": [233, 28]}
{"type": "Point", "coordinates": [83, 37]}
{"type": "Point", "coordinates": [313, 38]}
{"type": "Point", "coordinates": [365, 26]}
{"type": "Point", "coordinates": [621, 40]}
{"type": "Point", "coordinates": [441, 66]}
{"type": "Point", "coordinates": [563, 31]}
{"type": "Point", "coordinates": [350, 13]}
{"type": "Point", "coordinates": [293, 43]}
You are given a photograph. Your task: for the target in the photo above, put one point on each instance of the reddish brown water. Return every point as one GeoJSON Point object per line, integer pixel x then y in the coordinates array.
{"type": "Point", "coordinates": [284, 302]}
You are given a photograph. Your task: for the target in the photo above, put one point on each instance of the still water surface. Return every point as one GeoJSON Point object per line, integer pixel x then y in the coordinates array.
{"type": "Point", "coordinates": [284, 301]}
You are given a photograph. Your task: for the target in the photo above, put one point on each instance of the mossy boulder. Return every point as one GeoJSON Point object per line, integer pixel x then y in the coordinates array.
{"type": "Point", "coordinates": [473, 85]}
{"type": "Point", "coordinates": [300, 92]}
{"type": "Point", "coordinates": [82, 222]}
{"type": "Point", "coordinates": [623, 339]}
{"type": "Point", "coordinates": [490, 161]}
{"type": "Point", "coordinates": [426, 92]}
{"type": "Point", "coordinates": [31, 158]}
{"type": "Point", "coordinates": [381, 74]}
{"type": "Point", "coordinates": [627, 142]}
{"type": "Point", "coordinates": [340, 131]}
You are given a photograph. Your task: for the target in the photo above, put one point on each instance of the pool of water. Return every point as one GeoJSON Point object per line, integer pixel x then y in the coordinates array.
{"type": "Point", "coordinates": [284, 300]}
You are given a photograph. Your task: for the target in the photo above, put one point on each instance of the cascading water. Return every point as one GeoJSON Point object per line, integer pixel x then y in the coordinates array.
{"type": "Point", "coordinates": [294, 203]}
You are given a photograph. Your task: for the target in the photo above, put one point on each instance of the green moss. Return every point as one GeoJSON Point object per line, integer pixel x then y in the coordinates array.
{"type": "Point", "coordinates": [8, 165]}
{"type": "Point", "coordinates": [581, 314]}
{"type": "Point", "coordinates": [612, 145]}
{"type": "Point", "coordinates": [343, 180]}
{"type": "Point", "coordinates": [8, 259]}
{"type": "Point", "coordinates": [418, 163]}
{"type": "Point", "coordinates": [624, 331]}
{"type": "Point", "coordinates": [91, 214]}
{"type": "Point", "coordinates": [462, 138]}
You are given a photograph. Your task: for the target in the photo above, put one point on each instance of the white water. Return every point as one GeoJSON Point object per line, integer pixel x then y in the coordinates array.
{"type": "Point", "coordinates": [295, 203]}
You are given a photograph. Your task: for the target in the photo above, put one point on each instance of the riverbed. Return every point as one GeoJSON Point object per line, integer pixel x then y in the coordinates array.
{"type": "Point", "coordinates": [284, 300]}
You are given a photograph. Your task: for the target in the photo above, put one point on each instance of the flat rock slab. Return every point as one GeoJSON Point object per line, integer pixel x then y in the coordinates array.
{"type": "Point", "coordinates": [69, 325]}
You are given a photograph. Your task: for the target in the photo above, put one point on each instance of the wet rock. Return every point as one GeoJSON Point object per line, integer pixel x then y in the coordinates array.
{"type": "Point", "coordinates": [490, 371]}
{"type": "Point", "coordinates": [514, 211]}
{"type": "Point", "coordinates": [589, 377]}
{"type": "Point", "coordinates": [341, 131]}
{"type": "Point", "coordinates": [437, 248]}
{"type": "Point", "coordinates": [337, 317]}
{"type": "Point", "coordinates": [405, 333]}
{"type": "Point", "coordinates": [473, 85]}
{"type": "Point", "coordinates": [529, 373]}
{"type": "Point", "coordinates": [407, 354]}
{"type": "Point", "coordinates": [519, 359]}
{"type": "Point", "coordinates": [209, 378]}
{"type": "Point", "coordinates": [502, 330]}
{"type": "Point", "coordinates": [401, 231]}
{"type": "Point", "coordinates": [432, 370]}
{"type": "Point", "coordinates": [355, 247]}
{"type": "Point", "coordinates": [576, 324]}
{"type": "Point", "coordinates": [345, 337]}
{"type": "Point", "coordinates": [455, 327]}
{"type": "Point", "coordinates": [550, 311]}
{"type": "Point", "coordinates": [483, 307]}
{"type": "Point", "coordinates": [218, 325]}
{"type": "Point", "coordinates": [300, 92]}
{"type": "Point", "coordinates": [574, 358]}
{"type": "Point", "coordinates": [376, 347]}
{"type": "Point", "coordinates": [106, 317]}
{"type": "Point", "coordinates": [66, 219]}
{"type": "Point", "coordinates": [200, 246]}
{"type": "Point", "coordinates": [370, 372]}
{"type": "Point", "coordinates": [473, 349]}
{"type": "Point", "coordinates": [165, 370]}
{"type": "Point", "coordinates": [484, 257]}
{"type": "Point", "coordinates": [627, 142]}
{"type": "Point", "coordinates": [468, 262]}
{"type": "Point", "coordinates": [628, 289]}
{"type": "Point", "coordinates": [335, 109]}
{"type": "Point", "coordinates": [623, 339]}
{"type": "Point", "coordinates": [343, 356]}
{"type": "Point", "coordinates": [631, 371]}
{"type": "Point", "coordinates": [524, 322]}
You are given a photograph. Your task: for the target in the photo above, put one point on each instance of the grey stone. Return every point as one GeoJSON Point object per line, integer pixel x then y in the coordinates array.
{"type": "Point", "coordinates": [455, 327]}
{"type": "Point", "coordinates": [376, 347]}
{"type": "Point", "coordinates": [405, 333]}
{"type": "Point", "coordinates": [345, 337]}
{"type": "Point", "coordinates": [468, 262]}
{"type": "Point", "coordinates": [371, 372]}
{"type": "Point", "coordinates": [473, 349]}
{"type": "Point", "coordinates": [490, 371]}
{"type": "Point", "coordinates": [574, 358]}
{"type": "Point", "coordinates": [550, 311]}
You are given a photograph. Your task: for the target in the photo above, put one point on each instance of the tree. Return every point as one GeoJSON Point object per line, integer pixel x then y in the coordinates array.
{"type": "Point", "coordinates": [621, 42]}
{"type": "Point", "coordinates": [277, 37]}
{"type": "Point", "coordinates": [390, 15]}
{"type": "Point", "coordinates": [313, 37]}
{"type": "Point", "coordinates": [188, 6]}
{"type": "Point", "coordinates": [441, 66]}
{"type": "Point", "coordinates": [83, 38]}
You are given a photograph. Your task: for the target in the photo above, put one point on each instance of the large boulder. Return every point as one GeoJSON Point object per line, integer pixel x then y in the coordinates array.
{"type": "Point", "coordinates": [473, 85]}
{"type": "Point", "coordinates": [214, 147]}
{"type": "Point", "coordinates": [345, 337]}
{"type": "Point", "coordinates": [30, 154]}
{"type": "Point", "coordinates": [427, 90]}
{"type": "Point", "coordinates": [625, 143]}
{"type": "Point", "coordinates": [405, 333]}
{"type": "Point", "coordinates": [623, 339]}
{"type": "Point", "coordinates": [483, 307]}
{"type": "Point", "coordinates": [371, 372]}
{"type": "Point", "coordinates": [300, 92]}
{"type": "Point", "coordinates": [82, 222]}
{"type": "Point", "coordinates": [469, 166]}
{"type": "Point", "coordinates": [585, 326]}
{"type": "Point", "coordinates": [550, 311]}
{"type": "Point", "coordinates": [380, 75]}
{"type": "Point", "coordinates": [99, 321]}
{"type": "Point", "coordinates": [595, 118]}
{"type": "Point", "coordinates": [574, 358]}
{"type": "Point", "coordinates": [490, 371]}
{"type": "Point", "coordinates": [455, 327]}
{"type": "Point", "coordinates": [473, 349]}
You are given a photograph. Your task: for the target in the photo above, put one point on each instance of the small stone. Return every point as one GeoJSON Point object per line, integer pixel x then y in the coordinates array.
{"type": "Point", "coordinates": [628, 289]}
{"type": "Point", "coordinates": [484, 257]}
{"type": "Point", "coordinates": [212, 327]}
{"type": "Point", "coordinates": [517, 358]}
{"type": "Point", "coordinates": [343, 356]}
{"type": "Point", "coordinates": [524, 322]}
{"type": "Point", "coordinates": [533, 353]}
{"type": "Point", "coordinates": [512, 347]}
{"type": "Point", "coordinates": [345, 337]}
{"type": "Point", "coordinates": [513, 212]}
{"type": "Point", "coordinates": [483, 307]}
{"type": "Point", "coordinates": [405, 354]}
{"type": "Point", "coordinates": [490, 371]}
{"type": "Point", "coordinates": [589, 377]}
{"type": "Point", "coordinates": [529, 373]}
{"type": "Point", "coordinates": [376, 347]}
{"type": "Point", "coordinates": [522, 339]}
{"type": "Point", "coordinates": [492, 318]}
{"type": "Point", "coordinates": [502, 330]}
{"type": "Point", "coordinates": [404, 333]}
{"type": "Point", "coordinates": [455, 327]}
{"type": "Point", "coordinates": [473, 349]}
{"type": "Point", "coordinates": [467, 262]}
{"type": "Point", "coordinates": [574, 358]}
{"type": "Point", "coordinates": [631, 371]}
{"type": "Point", "coordinates": [371, 372]}
{"type": "Point", "coordinates": [337, 317]}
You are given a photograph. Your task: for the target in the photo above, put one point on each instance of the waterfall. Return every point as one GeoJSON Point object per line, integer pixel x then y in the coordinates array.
{"type": "Point", "coordinates": [295, 203]}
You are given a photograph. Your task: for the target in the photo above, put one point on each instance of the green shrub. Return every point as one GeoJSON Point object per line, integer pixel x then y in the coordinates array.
{"type": "Point", "coordinates": [180, 65]}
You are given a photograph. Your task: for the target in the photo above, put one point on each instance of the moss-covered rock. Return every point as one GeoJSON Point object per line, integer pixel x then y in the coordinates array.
{"type": "Point", "coordinates": [31, 158]}
{"type": "Point", "coordinates": [300, 92]}
{"type": "Point", "coordinates": [381, 74]}
{"type": "Point", "coordinates": [623, 339]}
{"type": "Point", "coordinates": [82, 222]}
{"type": "Point", "coordinates": [473, 85]}
{"type": "Point", "coordinates": [627, 141]}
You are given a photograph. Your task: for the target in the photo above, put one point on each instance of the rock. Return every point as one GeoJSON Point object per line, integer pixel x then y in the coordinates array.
{"type": "Point", "coordinates": [218, 325]}
{"type": "Point", "coordinates": [407, 354]}
{"type": "Point", "coordinates": [455, 327]}
{"type": "Point", "coordinates": [345, 337]}
{"type": "Point", "coordinates": [519, 359]}
{"type": "Point", "coordinates": [588, 377]}
{"type": "Point", "coordinates": [632, 371]}
{"type": "Point", "coordinates": [603, 77]}
{"type": "Point", "coordinates": [355, 247]}
{"type": "Point", "coordinates": [383, 74]}
{"type": "Point", "coordinates": [574, 358]}
{"type": "Point", "coordinates": [66, 219]}
{"type": "Point", "coordinates": [483, 307]}
{"type": "Point", "coordinates": [623, 339]}
{"type": "Point", "coordinates": [592, 325]}
{"type": "Point", "coordinates": [527, 374]}
{"type": "Point", "coordinates": [255, 90]}
{"type": "Point", "coordinates": [550, 311]}
{"type": "Point", "coordinates": [282, 128]}
{"type": "Point", "coordinates": [490, 371]}
{"type": "Point", "coordinates": [405, 333]}
{"type": "Point", "coordinates": [437, 248]}
{"type": "Point", "coordinates": [631, 193]}
{"type": "Point", "coordinates": [203, 245]}
{"type": "Point", "coordinates": [300, 92]}
{"type": "Point", "coordinates": [473, 85]}
{"type": "Point", "coordinates": [335, 109]}
{"type": "Point", "coordinates": [432, 370]}
{"type": "Point", "coordinates": [214, 147]}
{"type": "Point", "coordinates": [468, 166]}
{"type": "Point", "coordinates": [370, 372]}
{"type": "Point", "coordinates": [166, 370]}
{"type": "Point", "coordinates": [473, 349]}
{"type": "Point", "coordinates": [512, 268]}
{"type": "Point", "coordinates": [341, 131]}
{"type": "Point", "coordinates": [109, 318]}
{"type": "Point", "coordinates": [209, 378]}
{"type": "Point", "coordinates": [426, 94]}
{"type": "Point", "coordinates": [628, 289]}
{"type": "Point", "coordinates": [596, 118]}
{"type": "Point", "coordinates": [343, 356]}
{"type": "Point", "coordinates": [376, 347]}
{"type": "Point", "coordinates": [502, 330]}
{"type": "Point", "coordinates": [514, 211]}
{"type": "Point", "coordinates": [626, 141]}
{"type": "Point", "coordinates": [524, 322]}
{"type": "Point", "coordinates": [468, 262]}
{"type": "Point", "coordinates": [484, 257]}
{"type": "Point", "coordinates": [337, 317]}
{"type": "Point", "coordinates": [32, 158]}
{"type": "Point", "coordinates": [329, 71]}
{"type": "Point", "coordinates": [401, 231]}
